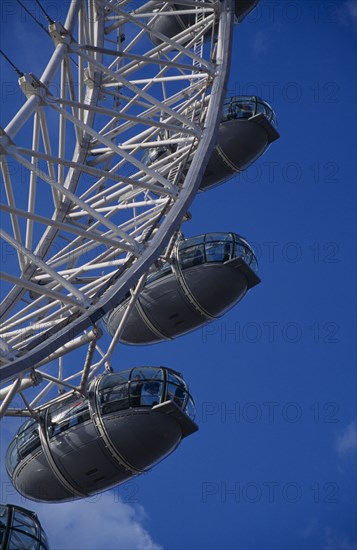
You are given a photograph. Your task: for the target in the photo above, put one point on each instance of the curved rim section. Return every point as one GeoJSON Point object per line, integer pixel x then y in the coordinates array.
{"type": "Point", "coordinates": [174, 90]}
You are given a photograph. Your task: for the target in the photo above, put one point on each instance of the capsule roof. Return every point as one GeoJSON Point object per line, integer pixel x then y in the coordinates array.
{"type": "Point", "coordinates": [244, 106]}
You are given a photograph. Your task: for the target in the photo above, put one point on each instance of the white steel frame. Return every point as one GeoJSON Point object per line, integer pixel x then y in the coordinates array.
{"type": "Point", "coordinates": [80, 247]}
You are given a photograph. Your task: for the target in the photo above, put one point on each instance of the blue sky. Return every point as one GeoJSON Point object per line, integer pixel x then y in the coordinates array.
{"type": "Point", "coordinates": [273, 465]}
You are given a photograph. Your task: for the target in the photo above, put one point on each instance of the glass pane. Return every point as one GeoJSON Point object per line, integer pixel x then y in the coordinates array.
{"type": "Point", "coordinates": [177, 394]}
{"type": "Point", "coordinates": [67, 414]}
{"type": "Point", "coordinates": [3, 521]}
{"type": "Point", "coordinates": [192, 241]}
{"type": "Point", "coordinates": [21, 541]}
{"type": "Point", "coordinates": [192, 256]}
{"type": "Point", "coordinates": [29, 441]}
{"type": "Point", "coordinates": [147, 373]}
{"type": "Point", "coordinates": [114, 398]}
{"type": "Point", "coordinates": [3, 514]}
{"type": "Point", "coordinates": [12, 457]}
{"type": "Point", "coordinates": [26, 426]}
{"type": "Point", "coordinates": [218, 252]}
{"type": "Point", "coordinates": [24, 523]}
{"type": "Point", "coordinates": [151, 393]}
{"type": "Point", "coordinates": [146, 386]}
{"type": "Point", "coordinates": [190, 408]}
{"type": "Point", "coordinates": [114, 379]}
{"type": "Point", "coordinates": [213, 237]}
{"type": "Point", "coordinates": [154, 154]}
{"type": "Point", "coordinates": [44, 541]}
{"type": "Point", "coordinates": [171, 377]}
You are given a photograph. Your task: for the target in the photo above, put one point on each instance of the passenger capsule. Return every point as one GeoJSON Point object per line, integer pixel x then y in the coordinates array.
{"type": "Point", "coordinates": [171, 25]}
{"type": "Point", "coordinates": [208, 275]}
{"type": "Point", "coordinates": [20, 529]}
{"type": "Point", "coordinates": [131, 420]}
{"type": "Point", "coordinates": [247, 128]}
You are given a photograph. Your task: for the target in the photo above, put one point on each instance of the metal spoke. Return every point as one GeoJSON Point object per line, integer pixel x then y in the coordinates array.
{"type": "Point", "coordinates": [92, 214]}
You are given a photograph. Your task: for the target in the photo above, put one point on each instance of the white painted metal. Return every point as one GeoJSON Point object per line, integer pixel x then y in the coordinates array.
{"type": "Point", "coordinates": [90, 218]}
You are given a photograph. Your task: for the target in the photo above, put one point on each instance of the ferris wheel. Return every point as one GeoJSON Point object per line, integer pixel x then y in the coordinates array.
{"type": "Point", "coordinates": [92, 215]}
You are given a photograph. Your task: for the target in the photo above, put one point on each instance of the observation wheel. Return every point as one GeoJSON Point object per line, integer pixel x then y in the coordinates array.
{"type": "Point", "coordinates": [88, 217]}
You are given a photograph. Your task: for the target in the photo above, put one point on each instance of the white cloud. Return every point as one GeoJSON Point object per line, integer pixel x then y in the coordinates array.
{"type": "Point", "coordinates": [106, 522]}
{"type": "Point", "coordinates": [347, 441]}
{"type": "Point", "coordinates": [351, 7]}
{"type": "Point", "coordinates": [261, 43]}
{"type": "Point", "coordinates": [101, 522]}
{"type": "Point", "coordinates": [346, 13]}
{"type": "Point", "coordinates": [338, 541]}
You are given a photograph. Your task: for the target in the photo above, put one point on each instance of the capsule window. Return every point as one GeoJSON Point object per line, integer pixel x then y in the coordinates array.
{"type": "Point", "coordinates": [152, 155]}
{"type": "Point", "coordinates": [218, 237]}
{"type": "Point", "coordinates": [146, 387]}
{"type": "Point", "coordinates": [151, 393]}
{"type": "Point", "coordinates": [28, 438]}
{"type": "Point", "coordinates": [192, 256]}
{"type": "Point", "coordinates": [191, 241]}
{"type": "Point", "coordinates": [3, 520]}
{"type": "Point", "coordinates": [67, 414]}
{"type": "Point", "coordinates": [177, 394]}
{"type": "Point", "coordinates": [190, 408]}
{"type": "Point", "coordinates": [114, 398]}
{"type": "Point", "coordinates": [12, 457]}
{"type": "Point", "coordinates": [20, 540]}
{"type": "Point", "coordinates": [24, 523]}
{"type": "Point", "coordinates": [171, 377]}
{"type": "Point", "coordinates": [218, 252]}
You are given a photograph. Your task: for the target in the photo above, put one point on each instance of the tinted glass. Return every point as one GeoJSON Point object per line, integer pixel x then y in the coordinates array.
{"type": "Point", "coordinates": [241, 107]}
{"type": "Point", "coordinates": [28, 438]}
{"type": "Point", "coordinates": [22, 541]}
{"type": "Point", "coordinates": [25, 523]}
{"type": "Point", "coordinates": [3, 521]}
{"type": "Point", "coordinates": [190, 408]}
{"type": "Point", "coordinates": [209, 237]}
{"type": "Point", "coordinates": [66, 415]}
{"type": "Point", "coordinates": [191, 242]}
{"type": "Point", "coordinates": [114, 398]}
{"type": "Point", "coordinates": [177, 394]}
{"type": "Point", "coordinates": [114, 379]}
{"type": "Point", "coordinates": [192, 256]}
{"type": "Point", "coordinates": [243, 250]}
{"type": "Point", "coordinates": [146, 386]}
{"type": "Point", "coordinates": [151, 393]}
{"type": "Point", "coordinates": [154, 154]}
{"type": "Point", "coordinates": [218, 252]}
{"type": "Point", "coordinates": [147, 373]}
{"type": "Point", "coordinates": [12, 457]}
{"type": "Point", "coordinates": [171, 377]}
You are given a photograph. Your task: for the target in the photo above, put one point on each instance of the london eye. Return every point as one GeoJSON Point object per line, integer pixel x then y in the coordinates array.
{"type": "Point", "coordinates": [127, 123]}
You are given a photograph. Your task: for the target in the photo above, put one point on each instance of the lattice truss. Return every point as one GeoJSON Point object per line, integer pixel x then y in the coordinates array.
{"type": "Point", "coordinates": [84, 214]}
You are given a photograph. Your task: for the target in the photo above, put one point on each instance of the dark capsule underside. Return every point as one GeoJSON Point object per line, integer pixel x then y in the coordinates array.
{"type": "Point", "coordinates": [240, 143]}
{"type": "Point", "coordinates": [186, 296]}
{"type": "Point", "coordinates": [81, 459]}
{"type": "Point", "coordinates": [85, 447]}
{"type": "Point", "coordinates": [247, 128]}
{"type": "Point", "coordinates": [20, 529]}
{"type": "Point", "coordinates": [171, 25]}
